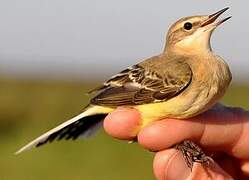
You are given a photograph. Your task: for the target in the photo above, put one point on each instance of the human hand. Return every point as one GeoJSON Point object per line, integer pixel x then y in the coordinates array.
{"type": "Point", "coordinates": [222, 132]}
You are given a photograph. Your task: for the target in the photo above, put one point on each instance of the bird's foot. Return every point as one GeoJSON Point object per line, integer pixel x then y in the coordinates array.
{"type": "Point", "coordinates": [192, 153]}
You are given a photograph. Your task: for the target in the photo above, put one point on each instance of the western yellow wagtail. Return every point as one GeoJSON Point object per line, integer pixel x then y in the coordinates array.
{"type": "Point", "coordinates": [182, 82]}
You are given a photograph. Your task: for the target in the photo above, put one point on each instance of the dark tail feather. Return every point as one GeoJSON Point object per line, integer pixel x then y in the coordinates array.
{"type": "Point", "coordinates": [84, 125]}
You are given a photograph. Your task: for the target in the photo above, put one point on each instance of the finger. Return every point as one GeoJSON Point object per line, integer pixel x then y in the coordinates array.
{"type": "Point", "coordinates": [215, 129]}
{"type": "Point", "coordinates": [166, 133]}
{"type": "Point", "coordinates": [170, 164]}
{"type": "Point", "coordinates": [211, 171]}
{"type": "Point", "coordinates": [227, 130]}
{"type": "Point", "coordinates": [123, 123]}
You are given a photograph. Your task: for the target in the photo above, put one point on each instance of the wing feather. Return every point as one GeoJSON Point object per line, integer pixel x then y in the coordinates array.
{"type": "Point", "coordinates": [142, 84]}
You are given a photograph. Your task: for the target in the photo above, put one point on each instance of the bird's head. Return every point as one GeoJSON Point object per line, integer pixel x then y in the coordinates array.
{"type": "Point", "coordinates": [192, 34]}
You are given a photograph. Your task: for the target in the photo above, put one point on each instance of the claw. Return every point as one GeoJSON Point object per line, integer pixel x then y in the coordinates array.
{"type": "Point", "coordinates": [192, 153]}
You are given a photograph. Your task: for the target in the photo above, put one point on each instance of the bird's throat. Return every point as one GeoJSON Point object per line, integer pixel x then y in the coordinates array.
{"type": "Point", "coordinates": [195, 44]}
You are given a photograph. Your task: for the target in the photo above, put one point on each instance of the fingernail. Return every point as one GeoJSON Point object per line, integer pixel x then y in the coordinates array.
{"type": "Point", "coordinates": [161, 162]}
{"type": "Point", "coordinates": [177, 168]}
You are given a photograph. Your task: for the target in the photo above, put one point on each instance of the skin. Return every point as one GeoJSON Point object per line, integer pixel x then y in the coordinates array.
{"type": "Point", "coordinates": [222, 132]}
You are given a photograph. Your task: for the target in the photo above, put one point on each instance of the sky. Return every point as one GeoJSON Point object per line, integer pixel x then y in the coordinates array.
{"type": "Point", "coordinates": [82, 38]}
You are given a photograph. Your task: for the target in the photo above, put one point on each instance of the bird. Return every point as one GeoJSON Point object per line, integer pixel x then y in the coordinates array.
{"type": "Point", "coordinates": [185, 80]}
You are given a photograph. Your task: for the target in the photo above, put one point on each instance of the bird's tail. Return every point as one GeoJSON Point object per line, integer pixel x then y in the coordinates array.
{"type": "Point", "coordinates": [83, 124]}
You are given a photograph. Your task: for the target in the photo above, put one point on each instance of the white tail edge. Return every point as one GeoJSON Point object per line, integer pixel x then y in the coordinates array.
{"type": "Point", "coordinates": [91, 110]}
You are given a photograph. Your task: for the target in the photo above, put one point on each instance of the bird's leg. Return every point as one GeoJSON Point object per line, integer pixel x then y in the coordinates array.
{"type": "Point", "coordinates": [192, 153]}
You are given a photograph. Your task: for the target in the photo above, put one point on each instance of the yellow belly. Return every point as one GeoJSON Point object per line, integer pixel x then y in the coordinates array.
{"type": "Point", "coordinates": [158, 111]}
{"type": "Point", "coordinates": [184, 106]}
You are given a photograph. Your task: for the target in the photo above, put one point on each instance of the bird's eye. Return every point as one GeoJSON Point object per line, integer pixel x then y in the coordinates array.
{"type": "Point", "coordinates": [188, 26]}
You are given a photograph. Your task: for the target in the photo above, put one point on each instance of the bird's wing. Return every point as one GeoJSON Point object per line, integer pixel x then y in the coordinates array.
{"type": "Point", "coordinates": [142, 84]}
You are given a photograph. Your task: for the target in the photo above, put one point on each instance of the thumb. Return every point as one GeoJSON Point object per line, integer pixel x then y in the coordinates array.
{"type": "Point", "coordinates": [170, 164]}
{"type": "Point", "coordinates": [123, 123]}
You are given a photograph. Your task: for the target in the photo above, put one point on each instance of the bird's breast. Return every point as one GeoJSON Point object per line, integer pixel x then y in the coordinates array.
{"type": "Point", "coordinates": [209, 83]}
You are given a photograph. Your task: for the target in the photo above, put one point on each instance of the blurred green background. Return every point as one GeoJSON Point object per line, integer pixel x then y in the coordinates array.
{"type": "Point", "coordinates": [28, 108]}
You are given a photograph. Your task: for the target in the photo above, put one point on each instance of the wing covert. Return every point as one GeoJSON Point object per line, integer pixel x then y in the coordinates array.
{"type": "Point", "coordinates": [145, 83]}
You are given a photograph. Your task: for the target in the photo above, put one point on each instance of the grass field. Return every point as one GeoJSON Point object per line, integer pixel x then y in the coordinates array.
{"type": "Point", "coordinates": [28, 108]}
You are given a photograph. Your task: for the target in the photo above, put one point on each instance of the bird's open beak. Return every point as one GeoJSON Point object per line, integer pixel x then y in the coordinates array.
{"type": "Point", "coordinates": [211, 18]}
